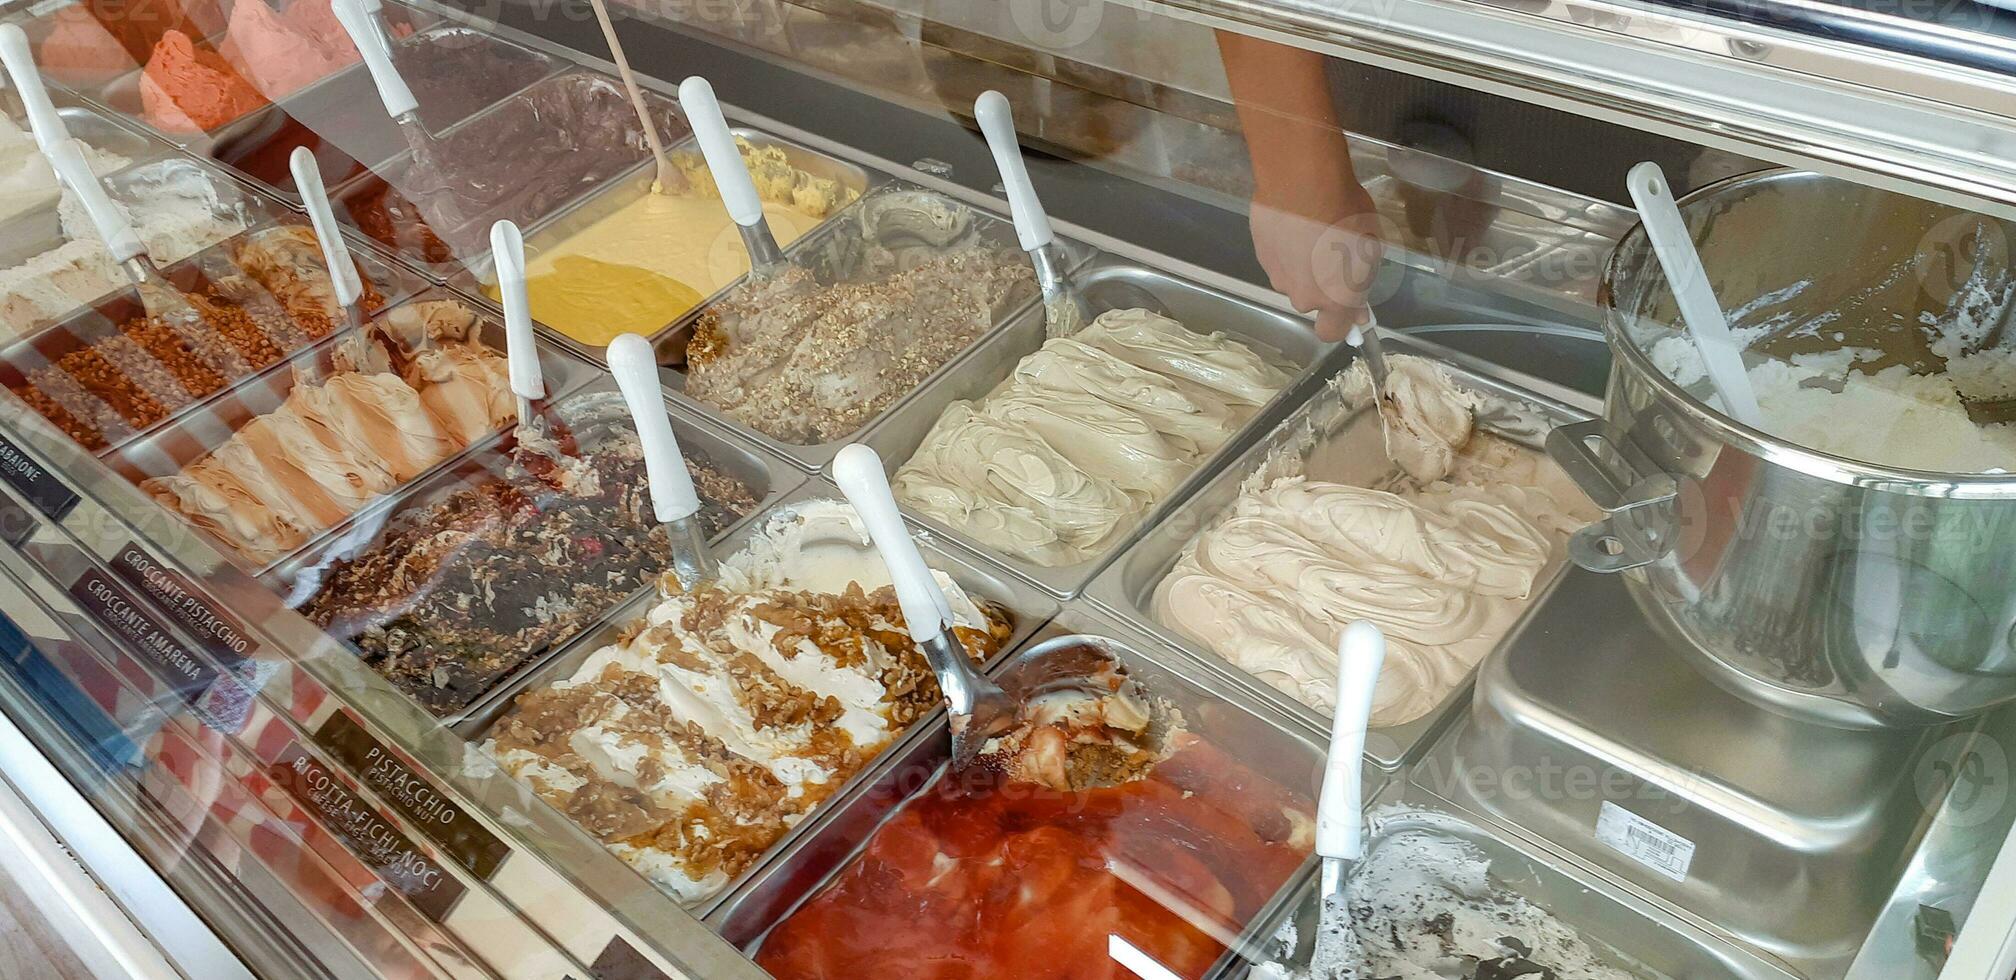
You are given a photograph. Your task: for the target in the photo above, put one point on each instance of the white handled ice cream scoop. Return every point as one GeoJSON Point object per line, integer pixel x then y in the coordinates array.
{"type": "Point", "coordinates": [367, 32]}
{"type": "Point", "coordinates": [43, 121]}
{"type": "Point", "coordinates": [1706, 324]}
{"type": "Point", "coordinates": [507, 250]}
{"type": "Point", "coordinates": [161, 299]}
{"type": "Point", "coordinates": [1064, 307]}
{"type": "Point", "coordinates": [374, 17]}
{"type": "Point", "coordinates": [1365, 337]}
{"type": "Point", "coordinates": [1340, 822]}
{"type": "Point", "coordinates": [979, 708]}
{"type": "Point", "coordinates": [343, 279]}
{"type": "Point", "coordinates": [667, 177]}
{"type": "Point", "coordinates": [731, 174]}
{"type": "Point", "coordinates": [673, 498]}
{"type": "Point", "coordinates": [355, 349]}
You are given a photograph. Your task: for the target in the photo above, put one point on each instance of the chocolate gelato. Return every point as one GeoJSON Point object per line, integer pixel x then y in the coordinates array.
{"type": "Point", "coordinates": [527, 157]}
{"type": "Point", "coordinates": [454, 596]}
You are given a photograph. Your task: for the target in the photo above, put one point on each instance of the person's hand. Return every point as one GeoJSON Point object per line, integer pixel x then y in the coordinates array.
{"type": "Point", "coordinates": [1321, 248]}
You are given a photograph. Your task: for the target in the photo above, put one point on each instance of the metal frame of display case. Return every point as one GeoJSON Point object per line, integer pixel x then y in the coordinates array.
{"type": "Point", "coordinates": [1905, 120]}
{"type": "Point", "coordinates": [1774, 86]}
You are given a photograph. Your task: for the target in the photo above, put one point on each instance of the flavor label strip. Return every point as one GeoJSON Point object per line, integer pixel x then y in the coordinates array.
{"type": "Point", "coordinates": [422, 861]}
{"type": "Point", "coordinates": [458, 834]}
{"type": "Point", "coordinates": [220, 632]}
{"type": "Point", "coordinates": [109, 603]}
{"type": "Point", "coordinates": [389, 852]}
{"type": "Point", "coordinates": [221, 699]}
{"type": "Point", "coordinates": [37, 485]}
{"type": "Point", "coordinates": [621, 961]}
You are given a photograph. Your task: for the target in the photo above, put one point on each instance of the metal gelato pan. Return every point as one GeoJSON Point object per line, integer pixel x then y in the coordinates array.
{"type": "Point", "coordinates": [1627, 931]}
{"type": "Point", "coordinates": [120, 363]}
{"type": "Point", "coordinates": [166, 450]}
{"type": "Point", "coordinates": [1331, 439]}
{"type": "Point", "coordinates": [838, 252]}
{"type": "Point", "coordinates": [1250, 732]}
{"type": "Point", "coordinates": [1794, 849]}
{"type": "Point", "coordinates": [1030, 609]}
{"type": "Point", "coordinates": [40, 229]}
{"type": "Point", "coordinates": [479, 279]}
{"type": "Point", "coordinates": [590, 415]}
{"type": "Point", "coordinates": [382, 207]}
{"type": "Point", "coordinates": [1287, 340]}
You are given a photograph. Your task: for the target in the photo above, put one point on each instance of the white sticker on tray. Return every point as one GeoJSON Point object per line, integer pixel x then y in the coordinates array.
{"type": "Point", "coordinates": [1645, 842]}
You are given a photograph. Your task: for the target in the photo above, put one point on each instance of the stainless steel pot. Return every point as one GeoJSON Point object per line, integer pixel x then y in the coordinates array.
{"type": "Point", "coordinates": [1824, 588]}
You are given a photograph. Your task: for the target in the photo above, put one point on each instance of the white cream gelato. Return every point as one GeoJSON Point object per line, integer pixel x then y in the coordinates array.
{"type": "Point", "coordinates": [1831, 403]}
{"type": "Point", "coordinates": [176, 213]}
{"type": "Point", "coordinates": [1086, 435]}
{"type": "Point", "coordinates": [26, 182]}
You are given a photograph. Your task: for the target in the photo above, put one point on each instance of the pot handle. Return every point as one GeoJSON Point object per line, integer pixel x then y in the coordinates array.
{"type": "Point", "coordinates": [1637, 499]}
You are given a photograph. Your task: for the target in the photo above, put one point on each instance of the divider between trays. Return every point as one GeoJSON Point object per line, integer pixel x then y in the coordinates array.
{"type": "Point", "coordinates": [560, 225]}
{"type": "Point", "coordinates": [144, 457]}
{"type": "Point", "coordinates": [899, 433]}
{"type": "Point", "coordinates": [1032, 609]}
{"type": "Point", "coordinates": [1126, 587]}
{"type": "Point", "coordinates": [832, 837]}
{"type": "Point", "coordinates": [97, 321]}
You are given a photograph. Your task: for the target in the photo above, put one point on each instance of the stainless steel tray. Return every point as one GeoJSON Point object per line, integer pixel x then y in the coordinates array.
{"type": "Point", "coordinates": [1343, 444]}
{"type": "Point", "coordinates": [166, 449]}
{"type": "Point", "coordinates": [1632, 933]}
{"type": "Point", "coordinates": [103, 319]}
{"type": "Point", "coordinates": [471, 245]}
{"type": "Point", "coordinates": [480, 275]}
{"type": "Point", "coordinates": [596, 406]}
{"type": "Point", "coordinates": [1031, 609]}
{"type": "Point", "coordinates": [827, 251]}
{"type": "Point", "coordinates": [343, 110]}
{"type": "Point", "coordinates": [1251, 732]}
{"type": "Point", "coordinates": [1278, 335]}
{"type": "Point", "coordinates": [1794, 850]}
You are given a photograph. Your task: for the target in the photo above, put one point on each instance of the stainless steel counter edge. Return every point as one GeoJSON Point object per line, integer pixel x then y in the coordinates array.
{"type": "Point", "coordinates": [127, 910]}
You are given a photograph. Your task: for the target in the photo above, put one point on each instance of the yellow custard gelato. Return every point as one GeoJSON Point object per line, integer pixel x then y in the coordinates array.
{"type": "Point", "coordinates": [640, 267]}
{"type": "Point", "coordinates": [636, 269]}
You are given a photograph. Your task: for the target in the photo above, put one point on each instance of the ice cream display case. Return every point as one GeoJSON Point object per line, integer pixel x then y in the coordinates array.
{"type": "Point", "coordinates": [377, 627]}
